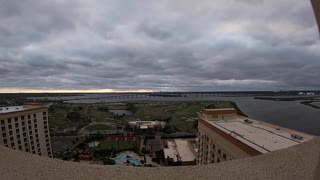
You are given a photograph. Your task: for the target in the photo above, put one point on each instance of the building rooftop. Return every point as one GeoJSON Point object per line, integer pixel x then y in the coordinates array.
{"type": "Point", "coordinates": [219, 109]}
{"type": "Point", "coordinates": [184, 150]}
{"type": "Point", "coordinates": [11, 109]}
{"type": "Point", "coordinates": [181, 148]}
{"type": "Point", "coordinates": [261, 136]}
{"type": "Point", "coordinates": [27, 106]}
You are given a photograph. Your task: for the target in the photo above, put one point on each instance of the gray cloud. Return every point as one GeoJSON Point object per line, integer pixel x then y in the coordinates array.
{"type": "Point", "coordinates": [180, 45]}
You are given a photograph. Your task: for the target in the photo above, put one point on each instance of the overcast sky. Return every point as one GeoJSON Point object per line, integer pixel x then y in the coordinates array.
{"type": "Point", "coordinates": [158, 45]}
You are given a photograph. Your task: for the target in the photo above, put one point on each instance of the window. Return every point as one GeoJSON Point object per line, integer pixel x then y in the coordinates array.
{"type": "Point", "coordinates": [29, 122]}
{"type": "Point", "coordinates": [22, 118]}
{"type": "Point", "coordinates": [34, 115]}
{"type": "Point", "coordinates": [19, 142]}
{"type": "Point", "coordinates": [18, 136]}
{"type": "Point", "coordinates": [4, 135]}
{"type": "Point", "coordinates": [22, 123]}
{"type": "Point", "coordinates": [20, 147]}
{"type": "Point", "coordinates": [219, 151]}
{"type": "Point", "coordinates": [17, 125]}
{"type": "Point", "coordinates": [12, 144]}
{"type": "Point", "coordinates": [3, 128]}
{"type": "Point", "coordinates": [27, 149]}
{"type": "Point", "coordinates": [17, 130]}
{"type": "Point", "coordinates": [9, 120]}
{"type": "Point", "coordinates": [44, 113]}
{"type": "Point", "coordinates": [16, 119]}
{"type": "Point", "coordinates": [2, 122]}
{"type": "Point", "coordinates": [35, 121]}
{"type": "Point", "coordinates": [44, 118]}
{"type": "Point", "coordinates": [11, 138]}
{"type": "Point", "coordinates": [23, 129]}
{"type": "Point", "coordinates": [224, 156]}
{"type": "Point", "coordinates": [10, 126]}
{"type": "Point", "coordinates": [5, 141]}
{"type": "Point", "coordinates": [35, 126]}
{"type": "Point", "coordinates": [218, 160]}
{"type": "Point", "coordinates": [10, 133]}
{"type": "Point", "coordinates": [29, 116]}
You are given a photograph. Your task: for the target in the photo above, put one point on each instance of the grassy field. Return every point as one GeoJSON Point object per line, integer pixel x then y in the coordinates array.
{"type": "Point", "coordinates": [58, 113]}
{"type": "Point", "coordinates": [181, 114]}
{"type": "Point", "coordinates": [118, 145]}
{"type": "Point", "coordinates": [98, 127]}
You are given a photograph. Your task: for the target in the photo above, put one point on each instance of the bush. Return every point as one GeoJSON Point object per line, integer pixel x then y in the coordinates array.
{"type": "Point", "coordinates": [73, 116]}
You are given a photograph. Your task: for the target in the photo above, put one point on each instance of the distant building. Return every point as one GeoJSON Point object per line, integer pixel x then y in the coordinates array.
{"type": "Point", "coordinates": [316, 9]}
{"type": "Point", "coordinates": [180, 152]}
{"type": "Point", "coordinates": [26, 128]}
{"type": "Point", "coordinates": [145, 125]}
{"type": "Point", "coordinates": [225, 135]}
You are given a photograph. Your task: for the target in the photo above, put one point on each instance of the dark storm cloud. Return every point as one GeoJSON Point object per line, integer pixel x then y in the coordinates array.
{"type": "Point", "coordinates": [158, 45]}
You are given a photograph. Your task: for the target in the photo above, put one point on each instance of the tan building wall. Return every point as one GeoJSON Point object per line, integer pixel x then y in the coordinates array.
{"type": "Point", "coordinates": [217, 146]}
{"type": "Point", "coordinates": [26, 130]}
{"type": "Point", "coordinates": [316, 8]}
{"type": "Point", "coordinates": [219, 138]}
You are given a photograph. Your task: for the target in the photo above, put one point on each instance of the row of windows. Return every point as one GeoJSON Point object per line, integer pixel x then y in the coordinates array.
{"type": "Point", "coordinates": [16, 119]}
{"type": "Point", "coordinates": [206, 154]}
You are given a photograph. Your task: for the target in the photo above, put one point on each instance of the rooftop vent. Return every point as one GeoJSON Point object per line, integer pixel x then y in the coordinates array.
{"type": "Point", "coordinates": [248, 121]}
{"type": "Point", "coordinates": [296, 136]}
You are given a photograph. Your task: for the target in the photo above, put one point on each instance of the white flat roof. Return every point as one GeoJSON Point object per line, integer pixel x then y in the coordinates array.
{"type": "Point", "coordinates": [179, 147]}
{"type": "Point", "coordinates": [143, 127]}
{"type": "Point", "coordinates": [184, 150]}
{"type": "Point", "coordinates": [261, 136]}
{"type": "Point", "coordinates": [11, 109]}
{"type": "Point", "coordinates": [170, 151]}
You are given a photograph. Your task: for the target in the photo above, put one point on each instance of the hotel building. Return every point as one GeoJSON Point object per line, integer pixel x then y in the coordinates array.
{"type": "Point", "coordinates": [225, 135]}
{"type": "Point", "coordinates": [26, 128]}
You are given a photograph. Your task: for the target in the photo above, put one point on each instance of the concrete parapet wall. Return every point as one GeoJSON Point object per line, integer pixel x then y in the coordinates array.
{"type": "Point", "coordinates": [298, 162]}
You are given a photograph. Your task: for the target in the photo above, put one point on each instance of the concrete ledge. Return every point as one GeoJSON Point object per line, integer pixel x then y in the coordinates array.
{"type": "Point", "coordinates": [299, 162]}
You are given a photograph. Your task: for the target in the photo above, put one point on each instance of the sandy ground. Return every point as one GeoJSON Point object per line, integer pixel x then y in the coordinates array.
{"type": "Point", "coordinates": [295, 163]}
